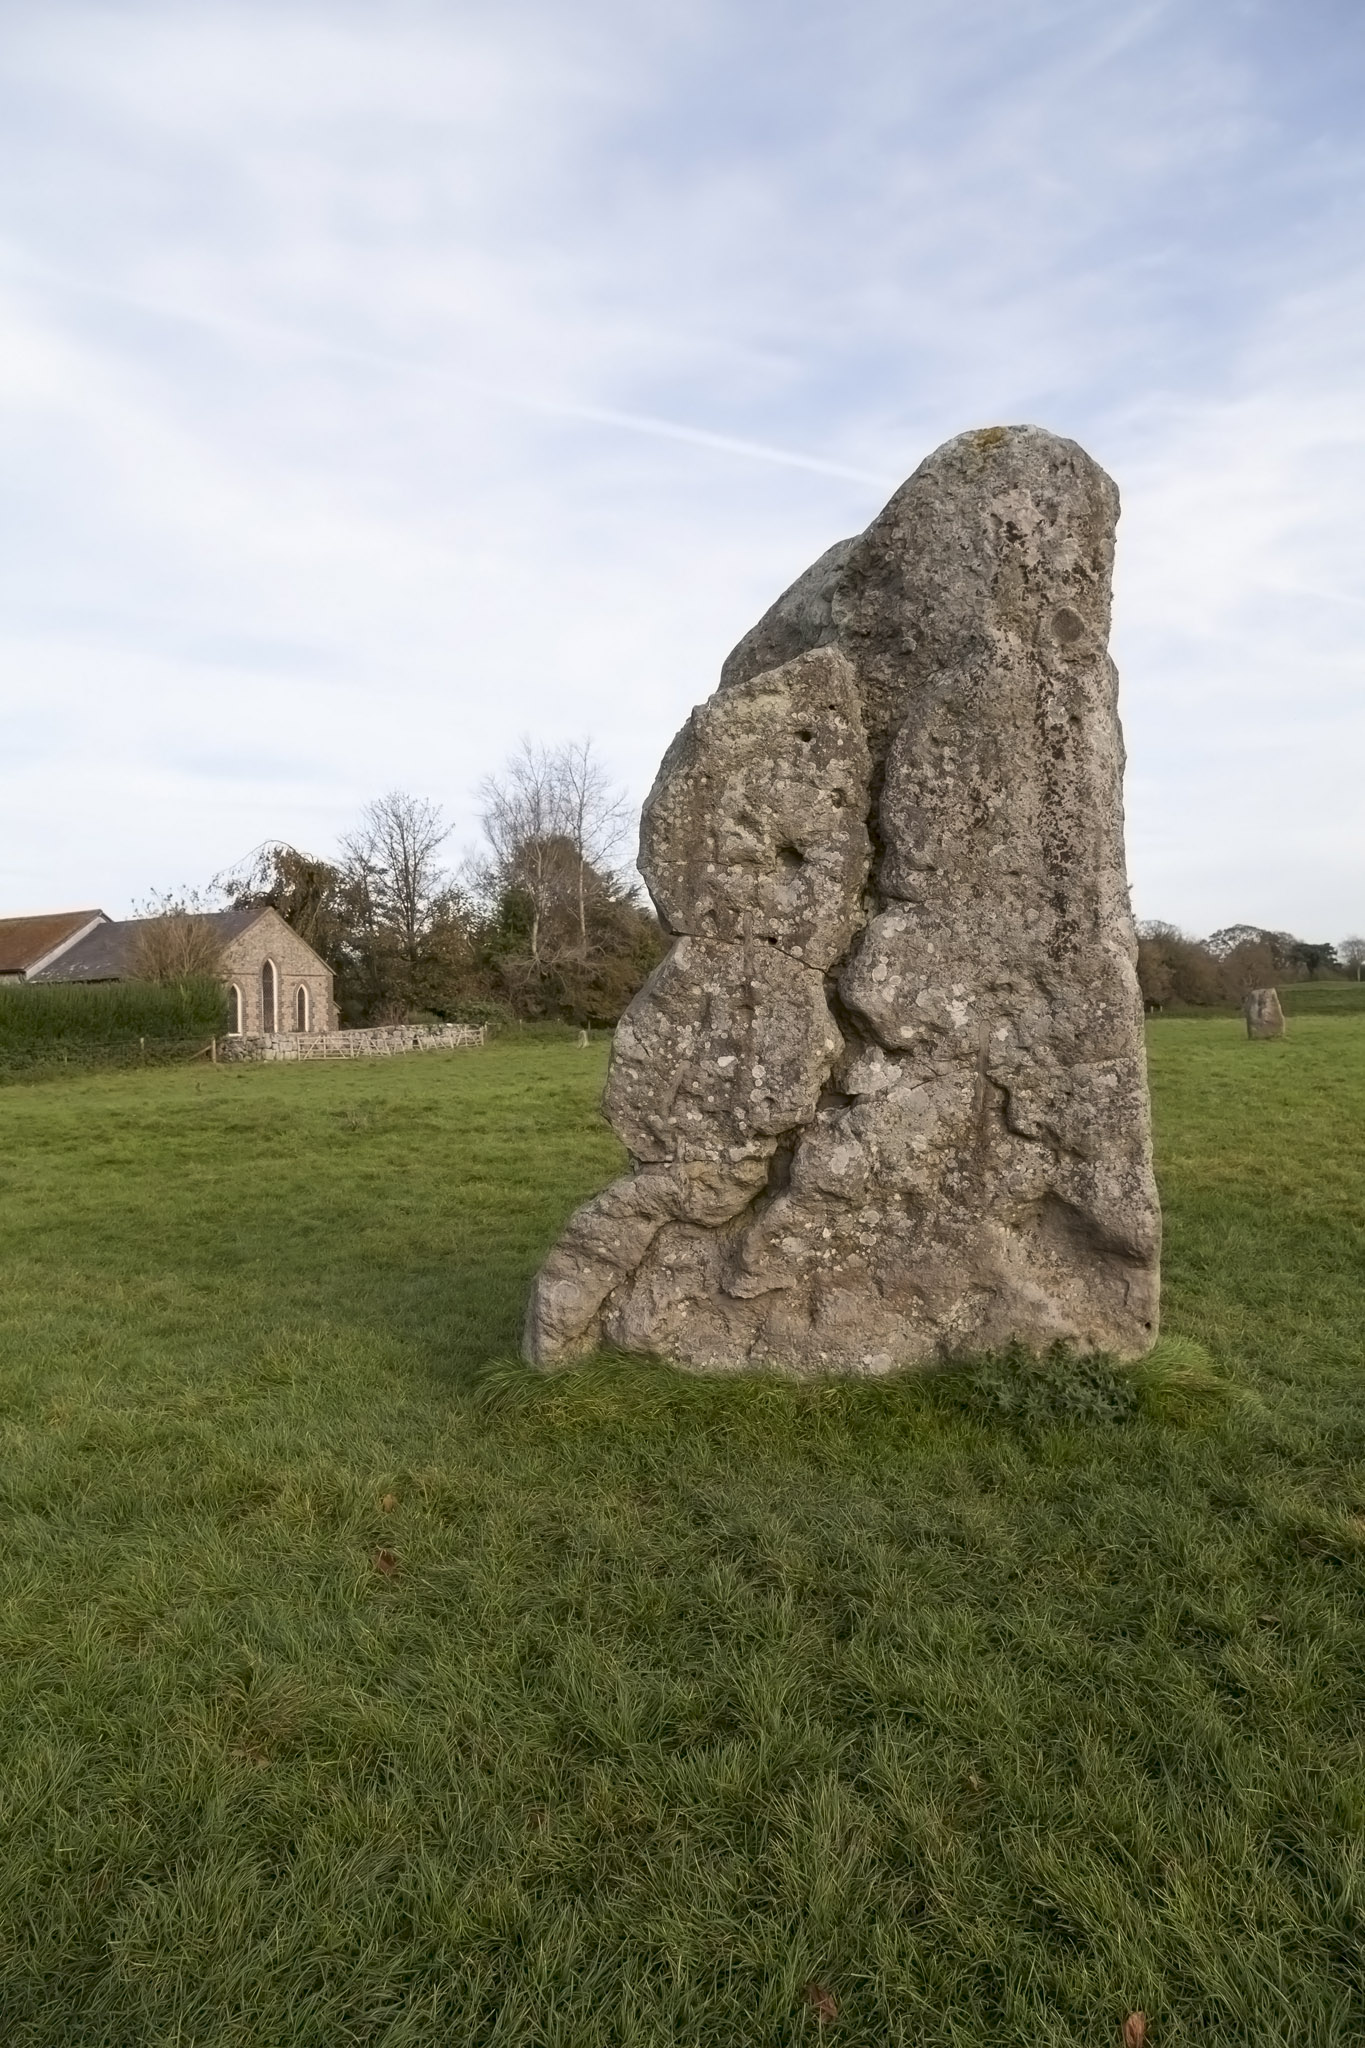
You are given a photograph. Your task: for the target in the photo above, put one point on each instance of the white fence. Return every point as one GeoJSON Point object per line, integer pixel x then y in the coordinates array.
{"type": "Point", "coordinates": [377, 1041]}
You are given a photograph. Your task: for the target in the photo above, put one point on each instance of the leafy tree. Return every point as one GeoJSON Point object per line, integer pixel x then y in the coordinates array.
{"type": "Point", "coordinates": [1254, 962]}
{"type": "Point", "coordinates": [1253, 956]}
{"type": "Point", "coordinates": [385, 918]}
{"type": "Point", "coordinates": [1232, 937]}
{"type": "Point", "coordinates": [583, 973]}
{"type": "Point", "coordinates": [545, 925]}
{"type": "Point", "coordinates": [310, 894]}
{"type": "Point", "coordinates": [1175, 968]}
{"type": "Point", "coordinates": [1316, 958]}
{"type": "Point", "coordinates": [1221, 968]}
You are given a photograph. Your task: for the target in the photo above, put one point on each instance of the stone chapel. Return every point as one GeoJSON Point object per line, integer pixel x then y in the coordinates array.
{"type": "Point", "coordinates": [274, 979]}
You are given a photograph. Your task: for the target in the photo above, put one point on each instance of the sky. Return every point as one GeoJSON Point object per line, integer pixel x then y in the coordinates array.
{"type": "Point", "coordinates": [381, 384]}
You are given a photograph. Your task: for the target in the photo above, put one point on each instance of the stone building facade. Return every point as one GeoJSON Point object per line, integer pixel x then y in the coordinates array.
{"type": "Point", "coordinates": [274, 979]}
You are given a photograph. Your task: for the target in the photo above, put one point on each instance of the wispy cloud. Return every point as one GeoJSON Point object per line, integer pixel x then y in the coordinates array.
{"type": "Point", "coordinates": [259, 333]}
{"type": "Point", "coordinates": [374, 389]}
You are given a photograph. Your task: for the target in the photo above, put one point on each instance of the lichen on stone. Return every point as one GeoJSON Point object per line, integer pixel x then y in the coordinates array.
{"type": "Point", "coordinates": [886, 1099]}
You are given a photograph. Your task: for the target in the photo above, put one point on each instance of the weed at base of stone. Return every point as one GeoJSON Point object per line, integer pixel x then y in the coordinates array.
{"type": "Point", "coordinates": [1176, 1383]}
{"type": "Point", "coordinates": [1032, 1392]}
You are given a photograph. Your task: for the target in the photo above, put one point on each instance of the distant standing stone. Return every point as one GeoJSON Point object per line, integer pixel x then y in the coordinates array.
{"type": "Point", "coordinates": [886, 1100]}
{"type": "Point", "coordinates": [1265, 1018]}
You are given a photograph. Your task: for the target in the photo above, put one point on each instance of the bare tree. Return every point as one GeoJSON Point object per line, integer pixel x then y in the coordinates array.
{"type": "Point", "coordinates": [1351, 953]}
{"type": "Point", "coordinates": [598, 816]}
{"type": "Point", "coordinates": [525, 819]}
{"type": "Point", "coordinates": [386, 917]}
{"type": "Point", "coordinates": [554, 821]}
{"type": "Point", "coordinates": [176, 940]}
{"type": "Point", "coordinates": [562, 927]}
{"type": "Point", "coordinates": [392, 863]}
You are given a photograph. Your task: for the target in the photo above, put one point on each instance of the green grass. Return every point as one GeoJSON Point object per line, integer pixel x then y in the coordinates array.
{"type": "Point", "coordinates": [1323, 999]}
{"type": "Point", "coordinates": [357, 1688]}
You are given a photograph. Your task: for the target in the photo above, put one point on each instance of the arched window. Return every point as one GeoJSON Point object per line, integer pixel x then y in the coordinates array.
{"type": "Point", "coordinates": [301, 1009]}
{"type": "Point", "coordinates": [269, 1014]}
{"type": "Point", "coordinates": [234, 1011]}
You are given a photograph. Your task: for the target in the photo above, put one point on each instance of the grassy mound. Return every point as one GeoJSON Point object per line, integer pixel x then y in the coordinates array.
{"type": "Point", "coordinates": [360, 1687]}
{"type": "Point", "coordinates": [1323, 999]}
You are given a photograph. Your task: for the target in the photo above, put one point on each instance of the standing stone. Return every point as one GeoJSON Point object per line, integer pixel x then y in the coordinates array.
{"type": "Point", "coordinates": [886, 1100]}
{"type": "Point", "coordinates": [1265, 1018]}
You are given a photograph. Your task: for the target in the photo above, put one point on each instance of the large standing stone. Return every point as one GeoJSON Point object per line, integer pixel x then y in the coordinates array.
{"type": "Point", "coordinates": [1261, 1008]}
{"type": "Point", "coordinates": [886, 1099]}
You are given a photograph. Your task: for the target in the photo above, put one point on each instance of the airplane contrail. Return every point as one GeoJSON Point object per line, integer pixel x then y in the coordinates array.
{"type": "Point", "coordinates": [593, 415]}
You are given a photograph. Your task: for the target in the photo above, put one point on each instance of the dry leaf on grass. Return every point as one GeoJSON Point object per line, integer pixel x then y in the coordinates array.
{"type": "Point", "coordinates": [386, 1561]}
{"type": "Point", "coordinates": [822, 2003]}
{"type": "Point", "coordinates": [1135, 2030]}
{"type": "Point", "coordinates": [389, 1503]}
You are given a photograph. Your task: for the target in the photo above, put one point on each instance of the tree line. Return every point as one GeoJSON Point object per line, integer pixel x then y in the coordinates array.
{"type": "Point", "coordinates": [544, 922]}
{"type": "Point", "coordinates": [1174, 968]}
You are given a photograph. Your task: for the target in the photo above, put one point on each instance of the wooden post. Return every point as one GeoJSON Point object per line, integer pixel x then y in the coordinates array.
{"type": "Point", "coordinates": [213, 1051]}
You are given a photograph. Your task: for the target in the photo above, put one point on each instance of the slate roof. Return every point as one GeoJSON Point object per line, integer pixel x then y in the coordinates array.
{"type": "Point", "coordinates": [108, 953]}
{"type": "Point", "coordinates": [25, 940]}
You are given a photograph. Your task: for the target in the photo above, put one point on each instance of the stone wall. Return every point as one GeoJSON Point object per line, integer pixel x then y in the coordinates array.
{"type": "Point", "coordinates": [380, 1041]}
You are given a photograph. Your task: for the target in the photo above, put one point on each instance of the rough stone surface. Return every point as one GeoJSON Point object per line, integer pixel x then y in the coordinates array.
{"type": "Point", "coordinates": [886, 1099]}
{"type": "Point", "coordinates": [756, 827]}
{"type": "Point", "coordinates": [724, 1049]}
{"type": "Point", "coordinates": [1265, 1018]}
{"type": "Point", "coordinates": [802, 618]}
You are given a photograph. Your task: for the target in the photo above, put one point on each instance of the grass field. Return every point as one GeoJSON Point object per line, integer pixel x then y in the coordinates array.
{"type": "Point", "coordinates": [1323, 999]}
{"type": "Point", "coordinates": [356, 1688]}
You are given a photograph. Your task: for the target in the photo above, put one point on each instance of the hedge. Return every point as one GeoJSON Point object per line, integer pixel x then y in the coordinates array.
{"type": "Point", "coordinates": [56, 1027]}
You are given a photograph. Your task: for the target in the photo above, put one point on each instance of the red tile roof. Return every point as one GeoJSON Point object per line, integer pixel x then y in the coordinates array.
{"type": "Point", "coordinates": [26, 940]}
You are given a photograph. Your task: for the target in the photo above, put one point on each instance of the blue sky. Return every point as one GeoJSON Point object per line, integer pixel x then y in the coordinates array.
{"type": "Point", "coordinates": [380, 384]}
